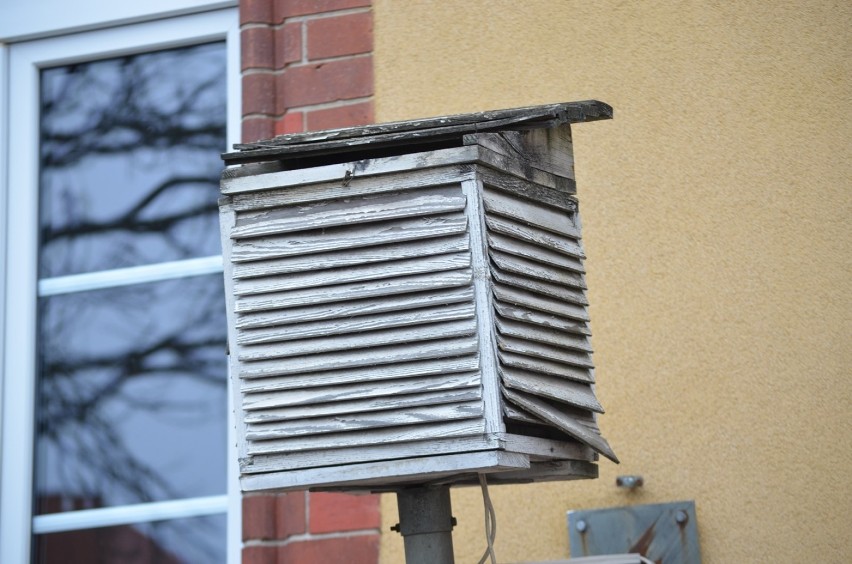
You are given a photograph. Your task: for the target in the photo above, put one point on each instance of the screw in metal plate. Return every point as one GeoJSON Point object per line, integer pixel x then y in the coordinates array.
{"type": "Point", "coordinates": [681, 517]}
{"type": "Point", "coordinates": [581, 526]}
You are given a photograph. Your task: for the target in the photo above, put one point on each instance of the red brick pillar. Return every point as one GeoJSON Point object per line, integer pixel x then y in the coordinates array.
{"type": "Point", "coordinates": [307, 65]}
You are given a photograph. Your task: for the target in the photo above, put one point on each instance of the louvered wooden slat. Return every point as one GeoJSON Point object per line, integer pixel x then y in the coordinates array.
{"type": "Point", "coordinates": [532, 253]}
{"type": "Point", "coordinates": [510, 311]}
{"type": "Point", "coordinates": [539, 302]}
{"type": "Point", "coordinates": [533, 235]}
{"type": "Point", "coordinates": [542, 334]}
{"type": "Point", "coordinates": [335, 213]}
{"type": "Point", "coordinates": [548, 367]}
{"type": "Point", "coordinates": [560, 389]}
{"type": "Point", "coordinates": [529, 212]}
{"type": "Point", "coordinates": [539, 278]}
{"type": "Point", "coordinates": [349, 237]}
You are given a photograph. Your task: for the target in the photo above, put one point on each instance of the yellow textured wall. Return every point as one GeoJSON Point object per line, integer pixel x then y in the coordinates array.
{"type": "Point", "coordinates": [716, 212]}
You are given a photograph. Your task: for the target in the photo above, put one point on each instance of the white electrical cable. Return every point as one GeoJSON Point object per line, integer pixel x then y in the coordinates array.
{"type": "Point", "coordinates": [490, 522]}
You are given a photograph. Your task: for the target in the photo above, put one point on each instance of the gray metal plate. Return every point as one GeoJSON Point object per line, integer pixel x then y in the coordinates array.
{"type": "Point", "coordinates": [665, 533]}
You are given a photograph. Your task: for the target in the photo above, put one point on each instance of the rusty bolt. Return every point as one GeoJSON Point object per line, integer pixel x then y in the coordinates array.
{"type": "Point", "coordinates": [681, 517]}
{"type": "Point", "coordinates": [582, 526]}
{"type": "Point", "coordinates": [395, 528]}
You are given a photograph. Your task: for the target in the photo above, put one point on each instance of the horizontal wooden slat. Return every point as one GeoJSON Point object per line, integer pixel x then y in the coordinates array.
{"type": "Point", "coordinates": [562, 284]}
{"type": "Point", "coordinates": [437, 446]}
{"type": "Point", "coordinates": [358, 324]}
{"type": "Point", "coordinates": [358, 421]}
{"type": "Point", "coordinates": [539, 302]}
{"type": "Point", "coordinates": [359, 341]}
{"type": "Point", "coordinates": [367, 388]}
{"type": "Point", "coordinates": [425, 369]}
{"type": "Point", "coordinates": [534, 253]}
{"type": "Point", "coordinates": [356, 273]}
{"type": "Point", "coordinates": [540, 350]}
{"type": "Point", "coordinates": [271, 193]}
{"type": "Point", "coordinates": [445, 348]}
{"type": "Point", "coordinates": [366, 209]}
{"type": "Point", "coordinates": [351, 257]}
{"type": "Point", "coordinates": [348, 237]}
{"type": "Point", "coordinates": [539, 237]}
{"type": "Point", "coordinates": [509, 311]}
{"type": "Point", "coordinates": [342, 310]}
{"type": "Point", "coordinates": [558, 419]}
{"type": "Point", "coordinates": [354, 291]}
{"type": "Point", "coordinates": [560, 389]}
{"type": "Point", "coordinates": [346, 408]}
{"type": "Point", "coordinates": [541, 334]}
{"type": "Point", "coordinates": [548, 367]}
{"type": "Point", "coordinates": [495, 179]}
{"type": "Point", "coordinates": [528, 212]}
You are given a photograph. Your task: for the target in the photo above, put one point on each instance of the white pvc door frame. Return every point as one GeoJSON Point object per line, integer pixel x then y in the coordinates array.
{"type": "Point", "coordinates": [19, 148]}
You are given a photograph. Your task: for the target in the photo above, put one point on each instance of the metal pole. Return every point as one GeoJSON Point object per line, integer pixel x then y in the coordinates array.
{"type": "Point", "coordinates": [426, 524]}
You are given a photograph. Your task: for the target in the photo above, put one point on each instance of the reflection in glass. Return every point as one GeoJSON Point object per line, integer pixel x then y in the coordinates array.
{"type": "Point", "coordinates": [200, 539]}
{"type": "Point", "coordinates": [131, 395]}
{"type": "Point", "coordinates": [130, 159]}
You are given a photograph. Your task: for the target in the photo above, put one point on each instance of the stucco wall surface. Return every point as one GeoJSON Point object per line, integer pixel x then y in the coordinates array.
{"type": "Point", "coordinates": [716, 212]}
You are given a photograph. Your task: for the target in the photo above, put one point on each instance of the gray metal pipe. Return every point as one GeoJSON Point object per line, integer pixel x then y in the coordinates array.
{"type": "Point", "coordinates": [426, 524]}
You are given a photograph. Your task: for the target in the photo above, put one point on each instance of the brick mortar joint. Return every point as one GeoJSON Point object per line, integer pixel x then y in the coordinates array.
{"type": "Point", "coordinates": [326, 60]}
{"type": "Point", "coordinates": [307, 537]}
{"type": "Point", "coordinates": [326, 15]}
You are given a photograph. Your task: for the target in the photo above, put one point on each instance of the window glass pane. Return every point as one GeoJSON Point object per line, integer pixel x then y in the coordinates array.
{"type": "Point", "coordinates": [130, 159]}
{"type": "Point", "coordinates": [200, 539]}
{"type": "Point", "coordinates": [131, 403]}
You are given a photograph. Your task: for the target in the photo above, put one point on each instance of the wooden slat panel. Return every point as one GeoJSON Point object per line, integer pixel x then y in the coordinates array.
{"type": "Point", "coordinates": [538, 302]}
{"type": "Point", "coordinates": [355, 324]}
{"type": "Point", "coordinates": [349, 237]}
{"type": "Point", "coordinates": [272, 196]}
{"type": "Point", "coordinates": [351, 359]}
{"type": "Point", "coordinates": [404, 433]}
{"type": "Point", "coordinates": [354, 291]}
{"type": "Point", "coordinates": [555, 417]}
{"type": "Point", "coordinates": [356, 273]}
{"type": "Point", "coordinates": [547, 367]}
{"type": "Point", "coordinates": [547, 352]}
{"type": "Point", "coordinates": [341, 310]}
{"type": "Point", "coordinates": [413, 402]}
{"type": "Point", "coordinates": [533, 252]}
{"type": "Point", "coordinates": [534, 276]}
{"type": "Point", "coordinates": [509, 311]}
{"type": "Point", "coordinates": [368, 388]}
{"type": "Point", "coordinates": [360, 341]}
{"type": "Point", "coordinates": [447, 367]}
{"type": "Point", "coordinates": [546, 449]}
{"type": "Point", "coordinates": [358, 421]}
{"type": "Point", "coordinates": [366, 209]}
{"type": "Point", "coordinates": [351, 257]}
{"type": "Point", "coordinates": [548, 149]}
{"type": "Point", "coordinates": [560, 389]}
{"type": "Point", "coordinates": [525, 211]}
{"type": "Point", "coordinates": [542, 334]}
{"type": "Point", "coordinates": [547, 239]}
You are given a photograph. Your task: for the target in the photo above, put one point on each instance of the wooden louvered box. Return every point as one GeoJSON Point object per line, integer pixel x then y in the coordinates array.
{"type": "Point", "coordinates": [407, 304]}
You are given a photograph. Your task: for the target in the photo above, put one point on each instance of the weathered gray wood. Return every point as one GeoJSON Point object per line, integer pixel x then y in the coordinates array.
{"type": "Point", "coordinates": [526, 299]}
{"type": "Point", "coordinates": [334, 213]}
{"type": "Point", "coordinates": [353, 359]}
{"type": "Point", "coordinates": [351, 257]}
{"type": "Point", "coordinates": [372, 474]}
{"type": "Point", "coordinates": [446, 367]}
{"type": "Point", "coordinates": [315, 397]}
{"type": "Point", "coordinates": [357, 273]}
{"type": "Point", "coordinates": [547, 239]}
{"type": "Point", "coordinates": [532, 213]}
{"type": "Point", "coordinates": [541, 334]}
{"type": "Point", "coordinates": [351, 325]}
{"type": "Point", "coordinates": [555, 417]}
{"type": "Point", "coordinates": [413, 402]}
{"type": "Point", "coordinates": [361, 341]}
{"type": "Point", "coordinates": [516, 414]}
{"type": "Point", "coordinates": [403, 433]}
{"type": "Point", "coordinates": [548, 149]}
{"type": "Point", "coordinates": [548, 471]}
{"type": "Point", "coordinates": [509, 311]}
{"type": "Point", "coordinates": [538, 448]}
{"type": "Point", "coordinates": [349, 237]}
{"type": "Point", "coordinates": [518, 168]}
{"type": "Point", "coordinates": [387, 453]}
{"type": "Point", "coordinates": [548, 367]}
{"type": "Point", "coordinates": [342, 310]}
{"type": "Point", "coordinates": [534, 253]}
{"type": "Point", "coordinates": [355, 291]}
{"type": "Point", "coordinates": [560, 389]}
{"type": "Point", "coordinates": [547, 352]}
{"type": "Point", "coordinates": [547, 280]}
{"type": "Point", "coordinates": [274, 190]}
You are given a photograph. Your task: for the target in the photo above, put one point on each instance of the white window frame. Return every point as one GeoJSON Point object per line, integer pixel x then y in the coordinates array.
{"type": "Point", "coordinates": [19, 288]}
